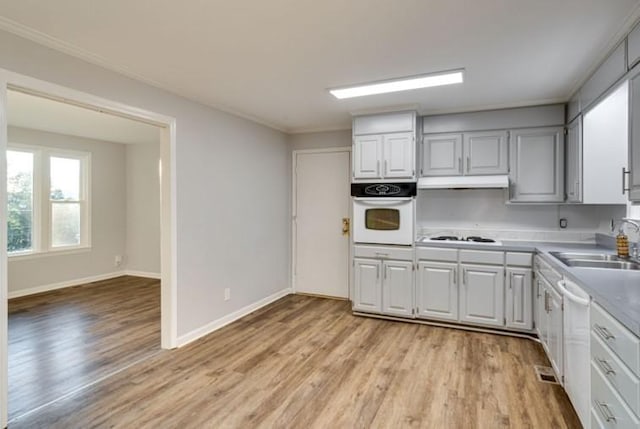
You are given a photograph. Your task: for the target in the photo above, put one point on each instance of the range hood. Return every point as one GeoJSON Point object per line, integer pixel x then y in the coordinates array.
{"type": "Point", "coordinates": [464, 182]}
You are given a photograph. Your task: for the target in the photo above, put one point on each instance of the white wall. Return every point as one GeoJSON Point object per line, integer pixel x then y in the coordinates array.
{"type": "Point", "coordinates": [142, 253]}
{"type": "Point", "coordinates": [320, 140]}
{"type": "Point", "coordinates": [108, 206]}
{"type": "Point", "coordinates": [486, 209]}
{"type": "Point", "coordinates": [233, 186]}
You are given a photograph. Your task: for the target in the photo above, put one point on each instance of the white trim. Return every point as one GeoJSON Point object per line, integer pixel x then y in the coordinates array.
{"type": "Point", "coordinates": [230, 318]}
{"type": "Point", "coordinates": [294, 205]}
{"type": "Point", "coordinates": [64, 284]}
{"type": "Point", "coordinates": [4, 311]}
{"type": "Point", "coordinates": [23, 256]}
{"type": "Point", "coordinates": [145, 274]}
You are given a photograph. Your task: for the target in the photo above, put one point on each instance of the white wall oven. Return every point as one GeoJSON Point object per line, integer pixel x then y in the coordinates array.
{"type": "Point", "coordinates": [383, 213]}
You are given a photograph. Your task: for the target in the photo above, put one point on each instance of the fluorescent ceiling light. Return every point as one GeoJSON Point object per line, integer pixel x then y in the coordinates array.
{"type": "Point", "coordinates": [402, 84]}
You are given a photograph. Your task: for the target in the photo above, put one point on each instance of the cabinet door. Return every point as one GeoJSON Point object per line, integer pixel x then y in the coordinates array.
{"type": "Point", "coordinates": [485, 153]}
{"type": "Point", "coordinates": [634, 140]}
{"type": "Point", "coordinates": [537, 165]}
{"type": "Point", "coordinates": [398, 155]}
{"type": "Point", "coordinates": [367, 285]}
{"type": "Point", "coordinates": [367, 153]}
{"type": "Point", "coordinates": [555, 330]}
{"type": "Point", "coordinates": [482, 294]}
{"type": "Point", "coordinates": [397, 288]}
{"type": "Point", "coordinates": [437, 290]}
{"type": "Point", "coordinates": [573, 176]}
{"type": "Point", "coordinates": [541, 311]}
{"type": "Point", "coordinates": [519, 298]}
{"type": "Point", "coordinates": [442, 155]}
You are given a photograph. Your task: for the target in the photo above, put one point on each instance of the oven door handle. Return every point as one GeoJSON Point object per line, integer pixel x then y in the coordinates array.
{"type": "Point", "coordinates": [383, 201]}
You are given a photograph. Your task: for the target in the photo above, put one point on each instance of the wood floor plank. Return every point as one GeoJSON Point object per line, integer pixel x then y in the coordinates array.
{"type": "Point", "coordinates": [65, 339]}
{"type": "Point", "coordinates": [307, 362]}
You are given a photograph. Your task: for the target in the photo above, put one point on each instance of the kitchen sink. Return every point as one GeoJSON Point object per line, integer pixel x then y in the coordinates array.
{"type": "Point", "coordinates": [596, 260]}
{"type": "Point", "coordinates": [586, 256]}
{"type": "Point", "coordinates": [617, 265]}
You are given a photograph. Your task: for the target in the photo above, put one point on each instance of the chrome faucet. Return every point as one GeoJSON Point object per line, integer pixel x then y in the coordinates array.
{"type": "Point", "coordinates": [635, 250]}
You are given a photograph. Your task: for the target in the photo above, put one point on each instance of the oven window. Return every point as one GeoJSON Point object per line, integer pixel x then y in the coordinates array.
{"type": "Point", "coordinates": [382, 219]}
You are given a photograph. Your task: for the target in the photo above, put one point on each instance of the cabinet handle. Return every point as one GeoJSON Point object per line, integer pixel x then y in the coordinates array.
{"type": "Point", "coordinates": [455, 277]}
{"type": "Point", "coordinates": [378, 272]}
{"type": "Point", "coordinates": [625, 172]}
{"type": "Point", "coordinates": [603, 332]}
{"type": "Point", "coordinates": [605, 411]}
{"type": "Point", "coordinates": [464, 277]}
{"type": "Point", "coordinates": [384, 271]}
{"type": "Point", "coordinates": [546, 301]}
{"type": "Point", "coordinates": [378, 168]}
{"type": "Point", "coordinates": [511, 281]}
{"type": "Point", "coordinates": [382, 255]}
{"type": "Point", "coordinates": [468, 164]}
{"type": "Point", "coordinates": [460, 164]}
{"type": "Point", "coordinates": [604, 365]}
{"type": "Point", "coordinates": [386, 164]}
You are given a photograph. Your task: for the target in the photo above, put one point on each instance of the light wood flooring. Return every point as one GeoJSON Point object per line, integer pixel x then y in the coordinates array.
{"type": "Point", "coordinates": [62, 340]}
{"type": "Point", "coordinates": [306, 362]}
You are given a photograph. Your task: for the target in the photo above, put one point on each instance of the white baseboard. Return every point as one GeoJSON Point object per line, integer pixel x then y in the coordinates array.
{"type": "Point", "coordinates": [145, 274]}
{"type": "Point", "coordinates": [223, 321]}
{"type": "Point", "coordinates": [61, 285]}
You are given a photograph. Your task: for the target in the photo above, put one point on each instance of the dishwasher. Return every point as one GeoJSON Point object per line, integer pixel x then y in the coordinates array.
{"type": "Point", "coordinates": [577, 373]}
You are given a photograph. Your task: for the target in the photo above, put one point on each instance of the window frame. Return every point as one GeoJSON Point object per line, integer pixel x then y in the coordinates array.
{"type": "Point", "coordinates": [42, 231]}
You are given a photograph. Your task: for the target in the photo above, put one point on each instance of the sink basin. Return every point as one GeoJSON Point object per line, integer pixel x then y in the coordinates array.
{"type": "Point", "coordinates": [586, 256]}
{"type": "Point", "coordinates": [595, 260]}
{"type": "Point", "coordinates": [617, 265]}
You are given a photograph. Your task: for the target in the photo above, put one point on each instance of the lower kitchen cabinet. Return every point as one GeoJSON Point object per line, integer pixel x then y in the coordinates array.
{"type": "Point", "coordinates": [550, 325]}
{"type": "Point", "coordinates": [482, 294]}
{"type": "Point", "coordinates": [397, 290]}
{"type": "Point", "coordinates": [367, 285]}
{"type": "Point", "coordinates": [437, 290]}
{"type": "Point", "coordinates": [383, 286]}
{"type": "Point", "coordinates": [541, 310]}
{"type": "Point", "coordinates": [518, 298]}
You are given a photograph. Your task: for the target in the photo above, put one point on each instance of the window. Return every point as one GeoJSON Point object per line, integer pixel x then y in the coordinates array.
{"type": "Point", "coordinates": [48, 198]}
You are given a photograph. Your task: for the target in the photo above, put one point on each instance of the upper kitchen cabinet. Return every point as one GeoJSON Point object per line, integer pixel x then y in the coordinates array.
{"type": "Point", "coordinates": [634, 140]}
{"type": "Point", "coordinates": [605, 145]}
{"type": "Point", "coordinates": [485, 153]}
{"type": "Point", "coordinates": [442, 155]}
{"type": "Point", "coordinates": [473, 154]}
{"type": "Point", "coordinates": [573, 177]}
{"type": "Point", "coordinates": [384, 147]}
{"type": "Point", "coordinates": [537, 165]}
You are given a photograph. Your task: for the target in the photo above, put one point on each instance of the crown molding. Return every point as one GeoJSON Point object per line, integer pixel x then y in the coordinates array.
{"type": "Point", "coordinates": [44, 39]}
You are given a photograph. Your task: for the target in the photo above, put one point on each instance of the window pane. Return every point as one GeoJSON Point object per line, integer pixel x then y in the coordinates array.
{"type": "Point", "coordinates": [65, 179]}
{"type": "Point", "coordinates": [19, 201]}
{"type": "Point", "coordinates": [65, 224]}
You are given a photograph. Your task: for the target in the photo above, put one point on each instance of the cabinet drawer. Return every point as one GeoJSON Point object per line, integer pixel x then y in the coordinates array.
{"type": "Point", "coordinates": [623, 380]}
{"type": "Point", "coordinates": [519, 259]}
{"type": "Point", "coordinates": [607, 404]}
{"type": "Point", "coordinates": [437, 254]}
{"type": "Point", "coordinates": [383, 252]}
{"type": "Point", "coordinates": [618, 338]}
{"type": "Point", "coordinates": [482, 257]}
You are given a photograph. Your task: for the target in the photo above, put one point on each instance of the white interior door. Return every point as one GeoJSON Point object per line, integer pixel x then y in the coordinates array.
{"type": "Point", "coordinates": [322, 201]}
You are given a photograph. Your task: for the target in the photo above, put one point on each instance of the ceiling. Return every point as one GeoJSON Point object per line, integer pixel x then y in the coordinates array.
{"type": "Point", "coordinates": [272, 61]}
{"type": "Point", "coordinates": [28, 111]}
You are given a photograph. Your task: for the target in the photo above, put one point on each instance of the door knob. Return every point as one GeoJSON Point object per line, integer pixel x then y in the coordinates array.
{"type": "Point", "coordinates": [346, 225]}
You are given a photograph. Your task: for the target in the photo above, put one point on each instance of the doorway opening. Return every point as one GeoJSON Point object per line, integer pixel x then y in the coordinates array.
{"type": "Point", "coordinates": [62, 220]}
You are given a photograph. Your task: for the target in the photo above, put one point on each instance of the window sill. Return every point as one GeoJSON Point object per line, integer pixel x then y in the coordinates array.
{"type": "Point", "coordinates": [47, 253]}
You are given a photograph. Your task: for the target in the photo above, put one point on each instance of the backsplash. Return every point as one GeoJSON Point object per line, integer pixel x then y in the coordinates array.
{"type": "Point", "coordinates": [469, 211]}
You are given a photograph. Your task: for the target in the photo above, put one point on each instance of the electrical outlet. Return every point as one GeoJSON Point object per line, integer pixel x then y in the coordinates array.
{"type": "Point", "coordinates": [227, 294]}
{"type": "Point", "coordinates": [118, 260]}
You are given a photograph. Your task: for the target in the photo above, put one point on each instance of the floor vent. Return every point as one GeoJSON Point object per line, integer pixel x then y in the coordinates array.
{"type": "Point", "coordinates": [545, 374]}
